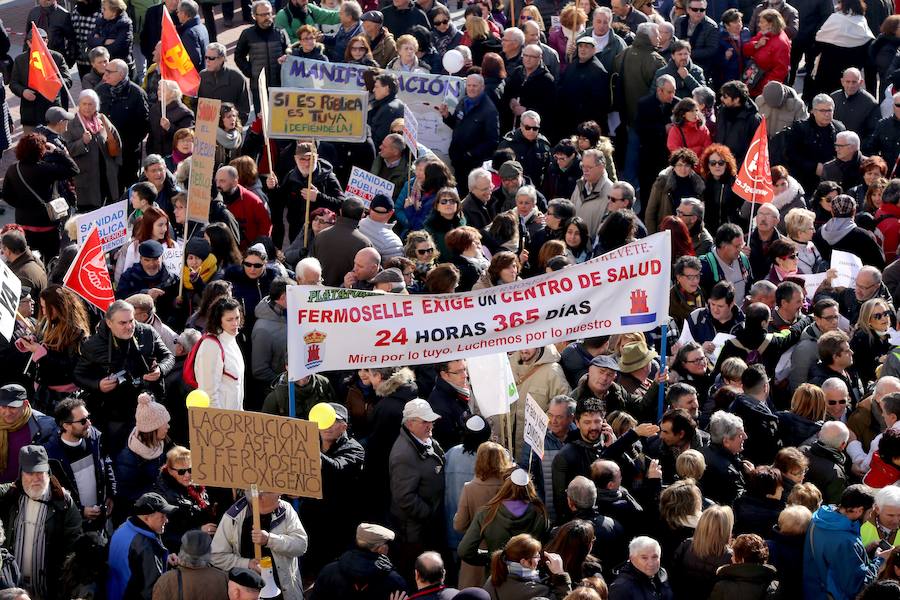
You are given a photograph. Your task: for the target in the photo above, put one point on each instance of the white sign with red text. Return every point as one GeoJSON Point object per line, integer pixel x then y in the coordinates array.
{"type": "Point", "coordinates": [338, 329]}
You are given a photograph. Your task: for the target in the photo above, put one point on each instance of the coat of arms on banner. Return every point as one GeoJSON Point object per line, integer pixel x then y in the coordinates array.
{"type": "Point", "coordinates": [313, 341]}
{"type": "Point", "coordinates": [640, 312]}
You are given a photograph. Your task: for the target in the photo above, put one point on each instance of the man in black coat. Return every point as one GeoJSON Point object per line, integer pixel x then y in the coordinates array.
{"type": "Point", "coordinates": [450, 399]}
{"type": "Point", "coordinates": [760, 423]}
{"type": "Point", "coordinates": [224, 83]}
{"type": "Point", "coordinates": [126, 105]}
{"type": "Point", "coordinates": [259, 47]}
{"type": "Point", "coordinates": [385, 108]}
{"type": "Point", "coordinates": [655, 110]}
{"type": "Point", "coordinates": [365, 567]}
{"type": "Point", "coordinates": [885, 139]}
{"type": "Point", "coordinates": [856, 108]}
{"type": "Point", "coordinates": [476, 127]}
{"type": "Point", "coordinates": [723, 479]}
{"type": "Point", "coordinates": [529, 87]}
{"type": "Point", "coordinates": [402, 15]}
{"type": "Point", "coordinates": [583, 93]}
{"type": "Point", "coordinates": [33, 108]}
{"type": "Point", "coordinates": [737, 120]}
{"type": "Point", "coordinates": [828, 464]}
{"type": "Point", "coordinates": [57, 22]}
{"type": "Point", "coordinates": [844, 169]}
{"type": "Point", "coordinates": [811, 15]}
{"type": "Point", "coordinates": [702, 33]}
{"type": "Point", "coordinates": [531, 147]}
{"type": "Point", "coordinates": [810, 143]}
{"type": "Point", "coordinates": [152, 30]}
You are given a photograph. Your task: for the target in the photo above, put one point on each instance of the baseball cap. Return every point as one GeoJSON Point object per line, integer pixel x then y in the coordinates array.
{"type": "Point", "coordinates": [373, 16]}
{"type": "Point", "coordinates": [510, 169]}
{"type": "Point", "coordinates": [150, 249]}
{"type": "Point", "coordinates": [150, 503]}
{"type": "Point", "coordinates": [55, 114]}
{"type": "Point", "coordinates": [13, 395]}
{"type": "Point", "coordinates": [605, 361]}
{"type": "Point", "coordinates": [33, 459]}
{"type": "Point", "coordinates": [381, 203]}
{"type": "Point", "coordinates": [419, 409]}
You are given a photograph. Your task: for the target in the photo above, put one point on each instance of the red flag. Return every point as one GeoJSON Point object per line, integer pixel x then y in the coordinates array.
{"type": "Point", "coordinates": [754, 181]}
{"type": "Point", "coordinates": [174, 62]}
{"type": "Point", "coordinates": [88, 276]}
{"type": "Point", "coordinates": [43, 77]}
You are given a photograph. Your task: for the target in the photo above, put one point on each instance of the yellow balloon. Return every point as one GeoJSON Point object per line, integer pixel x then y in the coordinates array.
{"type": "Point", "coordinates": [197, 398]}
{"type": "Point", "coordinates": [323, 415]}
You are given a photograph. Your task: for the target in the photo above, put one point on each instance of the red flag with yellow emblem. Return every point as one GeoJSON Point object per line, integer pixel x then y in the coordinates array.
{"type": "Point", "coordinates": [174, 62]}
{"type": "Point", "coordinates": [43, 77]}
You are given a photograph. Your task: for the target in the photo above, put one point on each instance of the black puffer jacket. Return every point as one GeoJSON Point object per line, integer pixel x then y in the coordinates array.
{"type": "Point", "coordinates": [723, 479]}
{"type": "Point", "coordinates": [259, 49]}
{"type": "Point", "coordinates": [631, 584]}
{"type": "Point", "coordinates": [381, 114]}
{"type": "Point", "coordinates": [795, 430]}
{"type": "Point", "coordinates": [756, 515]}
{"type": "Point", "coordinates": [358, 574]}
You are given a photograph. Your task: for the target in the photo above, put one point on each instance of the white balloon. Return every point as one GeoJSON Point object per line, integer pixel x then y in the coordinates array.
{"type": "Point", "coordinates": [453, 61]}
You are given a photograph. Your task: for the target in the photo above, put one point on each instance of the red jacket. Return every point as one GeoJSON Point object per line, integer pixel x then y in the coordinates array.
{"type": "Point", "coordinates": [880, 473]}
{"type": "Point", "coordinates": [252, 217]}
{"type": "Point", "coordinates": [692, 136]}
{"type": "Point", "coordinates": [774, 59]}
{"type": "Point", "coordinates": [888, 223]}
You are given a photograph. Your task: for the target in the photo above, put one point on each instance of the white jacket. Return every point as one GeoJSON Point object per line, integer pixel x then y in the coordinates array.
{"type": "Point", "coordinates": [287, 541]}
{"type": "Point", "coordinates": [223, 381]}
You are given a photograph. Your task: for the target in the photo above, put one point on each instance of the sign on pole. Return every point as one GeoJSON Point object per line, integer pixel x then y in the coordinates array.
{"type": "Point", "coordinates": [411, 131]}
{"type": "Point", "coordinates": [111, 222]}
{"type": "Point", "coordinates": [237, 449]}
{"type": "Point", "coordinates": [324, 115]}
{"type": "Point", "coordinates": [622, 291]}
{"type": "Point", "coordinates": [203, 160]}
{"type": "Point", "coordinates": [365, 185]}
{"type": "Point", "coordinates": [536, 421]}
{"type": "Point", "coordinates": [10, 288]}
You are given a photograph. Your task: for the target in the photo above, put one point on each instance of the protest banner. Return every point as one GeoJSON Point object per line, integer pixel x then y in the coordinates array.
{"type": "Point", "coordinates": [173, 259]}
{"type": "Point", "coordinates": [339, 329]}
{"type": "Point", "coordinates": [111, 222]}
{"type": "Point", "coordinates": [10, 288]}
{"type": "Point", "coordinates": [421, 92]}
{"type": "Point", "coordinates": [203, 161]}
{"type": "Point", "coordinates": [411, 131]}
{"type": "Point", "coordinates": [365, 185]}
{"type": "Point", "coordinates": [536, 421]}
{"type": "Point", "coordinates": [333, 115]}
{"type": "Point", "coordinates": [847, 266]}
{"type": "Point", "coordinates": [237, 449]}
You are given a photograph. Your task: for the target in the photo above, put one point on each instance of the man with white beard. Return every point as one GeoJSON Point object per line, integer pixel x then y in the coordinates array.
{"type": "Point", "coordinates": [42, 522]}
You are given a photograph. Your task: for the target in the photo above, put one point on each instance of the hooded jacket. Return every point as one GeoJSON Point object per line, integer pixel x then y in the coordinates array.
{"type": "Point", "coordinates": [317, 389]}
{"type": "Point", "coordinates": [358, 573]}
{"type": "Point", "coordinates": [761, 425]}
{"type": "Point", "coordinates": [637, 67]}
{"type": "Point", "coordinates": [481, 541]}
{"type": "Point", "coordinates": [781, 106]}
{"type": "Point", "coordinates": [843, 234]}
{"type": "Point", "coordinates": [834, 559]}
{"type": "Point", "coordinates": [744, 581]}
{"type": "Point", "coordinates": [828, 469]}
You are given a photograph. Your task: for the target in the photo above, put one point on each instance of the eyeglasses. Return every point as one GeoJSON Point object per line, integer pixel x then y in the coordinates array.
{"type": "Point", "coordinates": [253, 265]}
{"type": "Point", "coordinates": [612, 198]}
{"type": "Point", "coordinates": [446, 201]}
{"type": "Point", "coordinates": [695, 277]}
{"type": "Point", "coordinates": [81, 422]}
{"type": "Point", "coordinates": [263, 14]}
{"type": "Point", "coordinates": [836, 402]}
{"type": "Point", "coordinates": [457, 372]}
{"type": "Point", "coordinates": [717, 163]}
{"type": "Point", "coordinates": [696, 361]}
{"type": "Point", "coordinates": [880, 315]}
{"type": "Point", "coordinates": [696, 10]}
{"type": "Point", "coordinates": [441, 22]}
{"type": "Point", "coordinates": [683, 215]}
{"type": "Point", "coordinates": [829, 317]}
{"type": "Point", "coordinates": [535, 56]}
{"type": "Point", "coordinates": [841, 145]}
{"type": "Point", "coordinates": [182, 471]}
{"type": "Point", "coordinates": [424, 251]}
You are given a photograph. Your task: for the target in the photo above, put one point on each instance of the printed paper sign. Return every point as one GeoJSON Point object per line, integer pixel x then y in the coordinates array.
{"type": "Point", "coordinates": [536, 421]}
{"type": "Point", "coordinates": [10, 288]}
{"type": "Point", "coordinates": [811, 283]}
{"type": "Point", "coordinates": [411, 131]}
{"type": "Point", "coordinates": [365, 185]}
{"type": "Point", "coordinates": [847, 266]}
{"type": "Point", "coordinates": [111, 222]}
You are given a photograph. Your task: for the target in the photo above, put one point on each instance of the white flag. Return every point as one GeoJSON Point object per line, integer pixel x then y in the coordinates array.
{"type": "Point", "coordinates": [493, 385]}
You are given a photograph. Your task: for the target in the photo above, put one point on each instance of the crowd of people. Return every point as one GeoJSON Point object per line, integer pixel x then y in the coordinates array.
{"type": "Point", "coordinates": [772, 471]}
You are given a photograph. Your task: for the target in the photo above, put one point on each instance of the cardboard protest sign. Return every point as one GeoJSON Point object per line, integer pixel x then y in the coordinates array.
{"type": "Point", "coordinates": [622, 291]}
{"type": "Point", "coordinates": [236, 449]}
{"type": "Point", "coordinates": [10, 288]}
{"type": "Point", "coordinates": [203, 161]}
{"type": "Point", "coordinates": [536, 421]}
{"type": "Point", "coordinates": [411, 131]}
{"type": "Point", "coordinates": [111, 222]}
{"type": "Point", "coordinates": [331, 114]}
{"type": "Point", "coordinates": [365, 185]}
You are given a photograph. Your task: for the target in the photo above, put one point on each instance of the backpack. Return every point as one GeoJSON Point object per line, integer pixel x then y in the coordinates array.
{"type": "Point", "coordinates": [187, 372]}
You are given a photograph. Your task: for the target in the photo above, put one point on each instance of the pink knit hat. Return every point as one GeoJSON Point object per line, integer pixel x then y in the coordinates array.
{"type": "Point", "coordinates": [150, 415]}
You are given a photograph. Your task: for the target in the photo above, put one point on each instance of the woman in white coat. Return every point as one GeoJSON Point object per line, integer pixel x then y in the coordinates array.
{"type": "Point", "coordinates": [219, 364]}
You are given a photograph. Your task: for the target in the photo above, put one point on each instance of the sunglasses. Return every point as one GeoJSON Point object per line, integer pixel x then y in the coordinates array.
{"type": "Point", "coordinates": [182, 471]}
{"type": "Point", "coordinates": [793, 256]}
{"type": "Point", "coordinates": [881, 315]}
{"type": "Point", "coordinates": [526, 18]}
{"type": "Point", "coordinates": [697, 10]}
{"type": "Point", "coordinates": [448, 201]}
{"type": "Point", "coordinates": [253, 265]}
{"type": "Point", "coordinates": [441, 22]}
{"type": "Point", "coordinates": [717, 163]}
{"type": "Point", "coordinates": [81, 422]}
{"type": "Point", "coordinates": [424, 251]}
{"type": "Point", "coordinates": [897, 105]}
{"type": "Point", "coordinates": [360, 48]}
{"type": "Point", "coordinates": [212, 57]}
{"type": "Point", "coordinates": [531, 127]}
{"type": "Point", "coordinates": [836, 402]}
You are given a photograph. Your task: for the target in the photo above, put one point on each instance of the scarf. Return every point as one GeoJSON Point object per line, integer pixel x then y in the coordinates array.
{"type": "Point", "coordinates": [36, 574]}
{"type": "Point", "coordinates": [208, 268]}
{"type": "Point", "coordinates": [92, 125]}
{"type": "Point", "coordinates": [228, 139]}
{"type": "Point", "coordinates": [6, 428]}
{"type": "Point", "coordinates": [135, 445]}
{"type": "Point", "coordinates": [784, 274]}
{"type": "Point", "coordinates": [177, 156]}
{"type": "Point", "coordinates": [197, 493]}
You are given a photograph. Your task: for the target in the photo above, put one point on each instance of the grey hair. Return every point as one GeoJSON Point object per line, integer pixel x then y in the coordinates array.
{"type": "Point", "coordinates": [117, 306]}
{"type": "Point", "coordinates": [627, 190]}
{"type": "Point", "coordinates": [527, 190]}
{"type": "Point", "coordinates": [189, 7]}
{"type": "Point", "coordinates": [703, 94]}
{"type": "Point", "coordinates": [886, 385]}
{"type": "Point", "coordinates": [583, 493]}
{"type": "Point", "coordinates": [219, 48]}
{"type": "Point", "coordinates": [516, 33]}
{"type": "Point", "coordinates": [534, 47]}
{"type": "Point", "coordinates": [850, 137]}
{"type": "Point", "coordinates": [152, 159]}
{"type": "Point", "coordinates": [98, 51]}
{"type": "Point", "coordinates": [664, 79]}
{"type": "Point", "coordinates": [351, 8]}
{"type": "Point", "coordinates": [531, 114]}
{"type": "Point", "coordinates": [188, 338]}
{"type": "Point", "coordinates": [306, 264]}
{"type": "Point", "coordinates": [834, 434]}
{"type": "Point", "coordinates": [762, 287]}
{"type": "Point", "coordinates": [891, 193]}
{"type": "Point", "coordinates": [232, 172]}
{"type": "Point", "coordinates": [642, 542]}
{"type": "Point", "coordinates": [120, 65]}
{"type": "Point", "coordinates": [173, 88]}
{"type": "Point", "coordinates": [479, 173]}
{"type": "Point", "coordinates": [568, 401]}
{"type": "Point", "coordinates": [822, 99]}
{"type": "Point", "coordinates": [258, 3]}
{"type": "Point", "coordinates": [888, 496]}
{"type": "Point", "coordinates": [465, 51]}
{"type": "Point", "coordinates": [604, 10]}
{"type": "Point", "coordinates": [870, 270]}
{"type": "Point", "coordinates": [724, 425]}
{"type": "Point", "coordinates": [648, 28]}
{"type": "Point", "coordinates": [834, 384]}
{"type": "Point", "coordinates": [92, 95]}
{"type": "Point", "coordinates": [667, 26]}
{"type": "Point", "coordinates": [696, 206]}
{"type": "Point", "coordinates": [397, 140]}
{"type": "Point", "coordinates": [596, 154]}
{"type": "Point", "coordinates": [13, 594]}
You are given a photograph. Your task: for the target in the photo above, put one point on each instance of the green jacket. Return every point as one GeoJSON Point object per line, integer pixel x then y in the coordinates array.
{"type": "Point", "coordinates": [476, 546]}
{"type": "Point", "coordinates": [316, 390]}
{"type": "Point", "coordinates": [315, 16]}
{"type": "Point", "coordinates": [637, 66]}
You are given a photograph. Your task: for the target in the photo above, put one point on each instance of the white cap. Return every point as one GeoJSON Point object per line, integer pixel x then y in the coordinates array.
{"type": "Point", "coordinates": [520, 477]}
{"type": "Point", "coordinates": [419, 409]}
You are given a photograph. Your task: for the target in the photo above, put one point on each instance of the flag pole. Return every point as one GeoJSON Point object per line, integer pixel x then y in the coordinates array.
{"type": "Point", "coordinates": [62, 81]}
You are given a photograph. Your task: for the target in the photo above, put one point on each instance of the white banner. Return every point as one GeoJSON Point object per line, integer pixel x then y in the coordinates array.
{"type": "Point", "coordinates": [536, 422]}
{"type": "Point", "coordinates": [365, 185]}
{"type": "Point", "coordinates": [111, 222]}
{"type": "Point", "coordinates": [338, 329]}
{"type": "Point", "coordinates": [10, 288]}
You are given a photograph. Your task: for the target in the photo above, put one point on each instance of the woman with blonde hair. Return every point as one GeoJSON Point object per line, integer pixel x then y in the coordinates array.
{"type": "Point", "coordinates": [680, 506]}
{"type": "Point", "coordinates": [800, 226]}
{"type": "Point", "coordinates": [805, 418]}
{"type": "Point", "coordinates": [870, 342]}
{"type": "Point", "coordinates": [193, 508]}
{"type": "Point", "coordinates": [786, 543]}
{"type": "Point", "coordinates": [690, 464]}
{"type": "Point", "coordinates": [514, 509]}
{"type": "Point", "coordinates": [406, 59]}
{"type": "Point", "coordinates": [530, 12]}
{"type": "Point", "coordinates": [697, 558]}
{"type": "Point", "coordinates": [491, 463]}
{"type": "Point", "coordinates": [514, 572]}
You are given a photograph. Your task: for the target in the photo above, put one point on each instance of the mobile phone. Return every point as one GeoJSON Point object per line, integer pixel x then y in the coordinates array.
{"type": "Point", "coordinates": [884, 545]}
